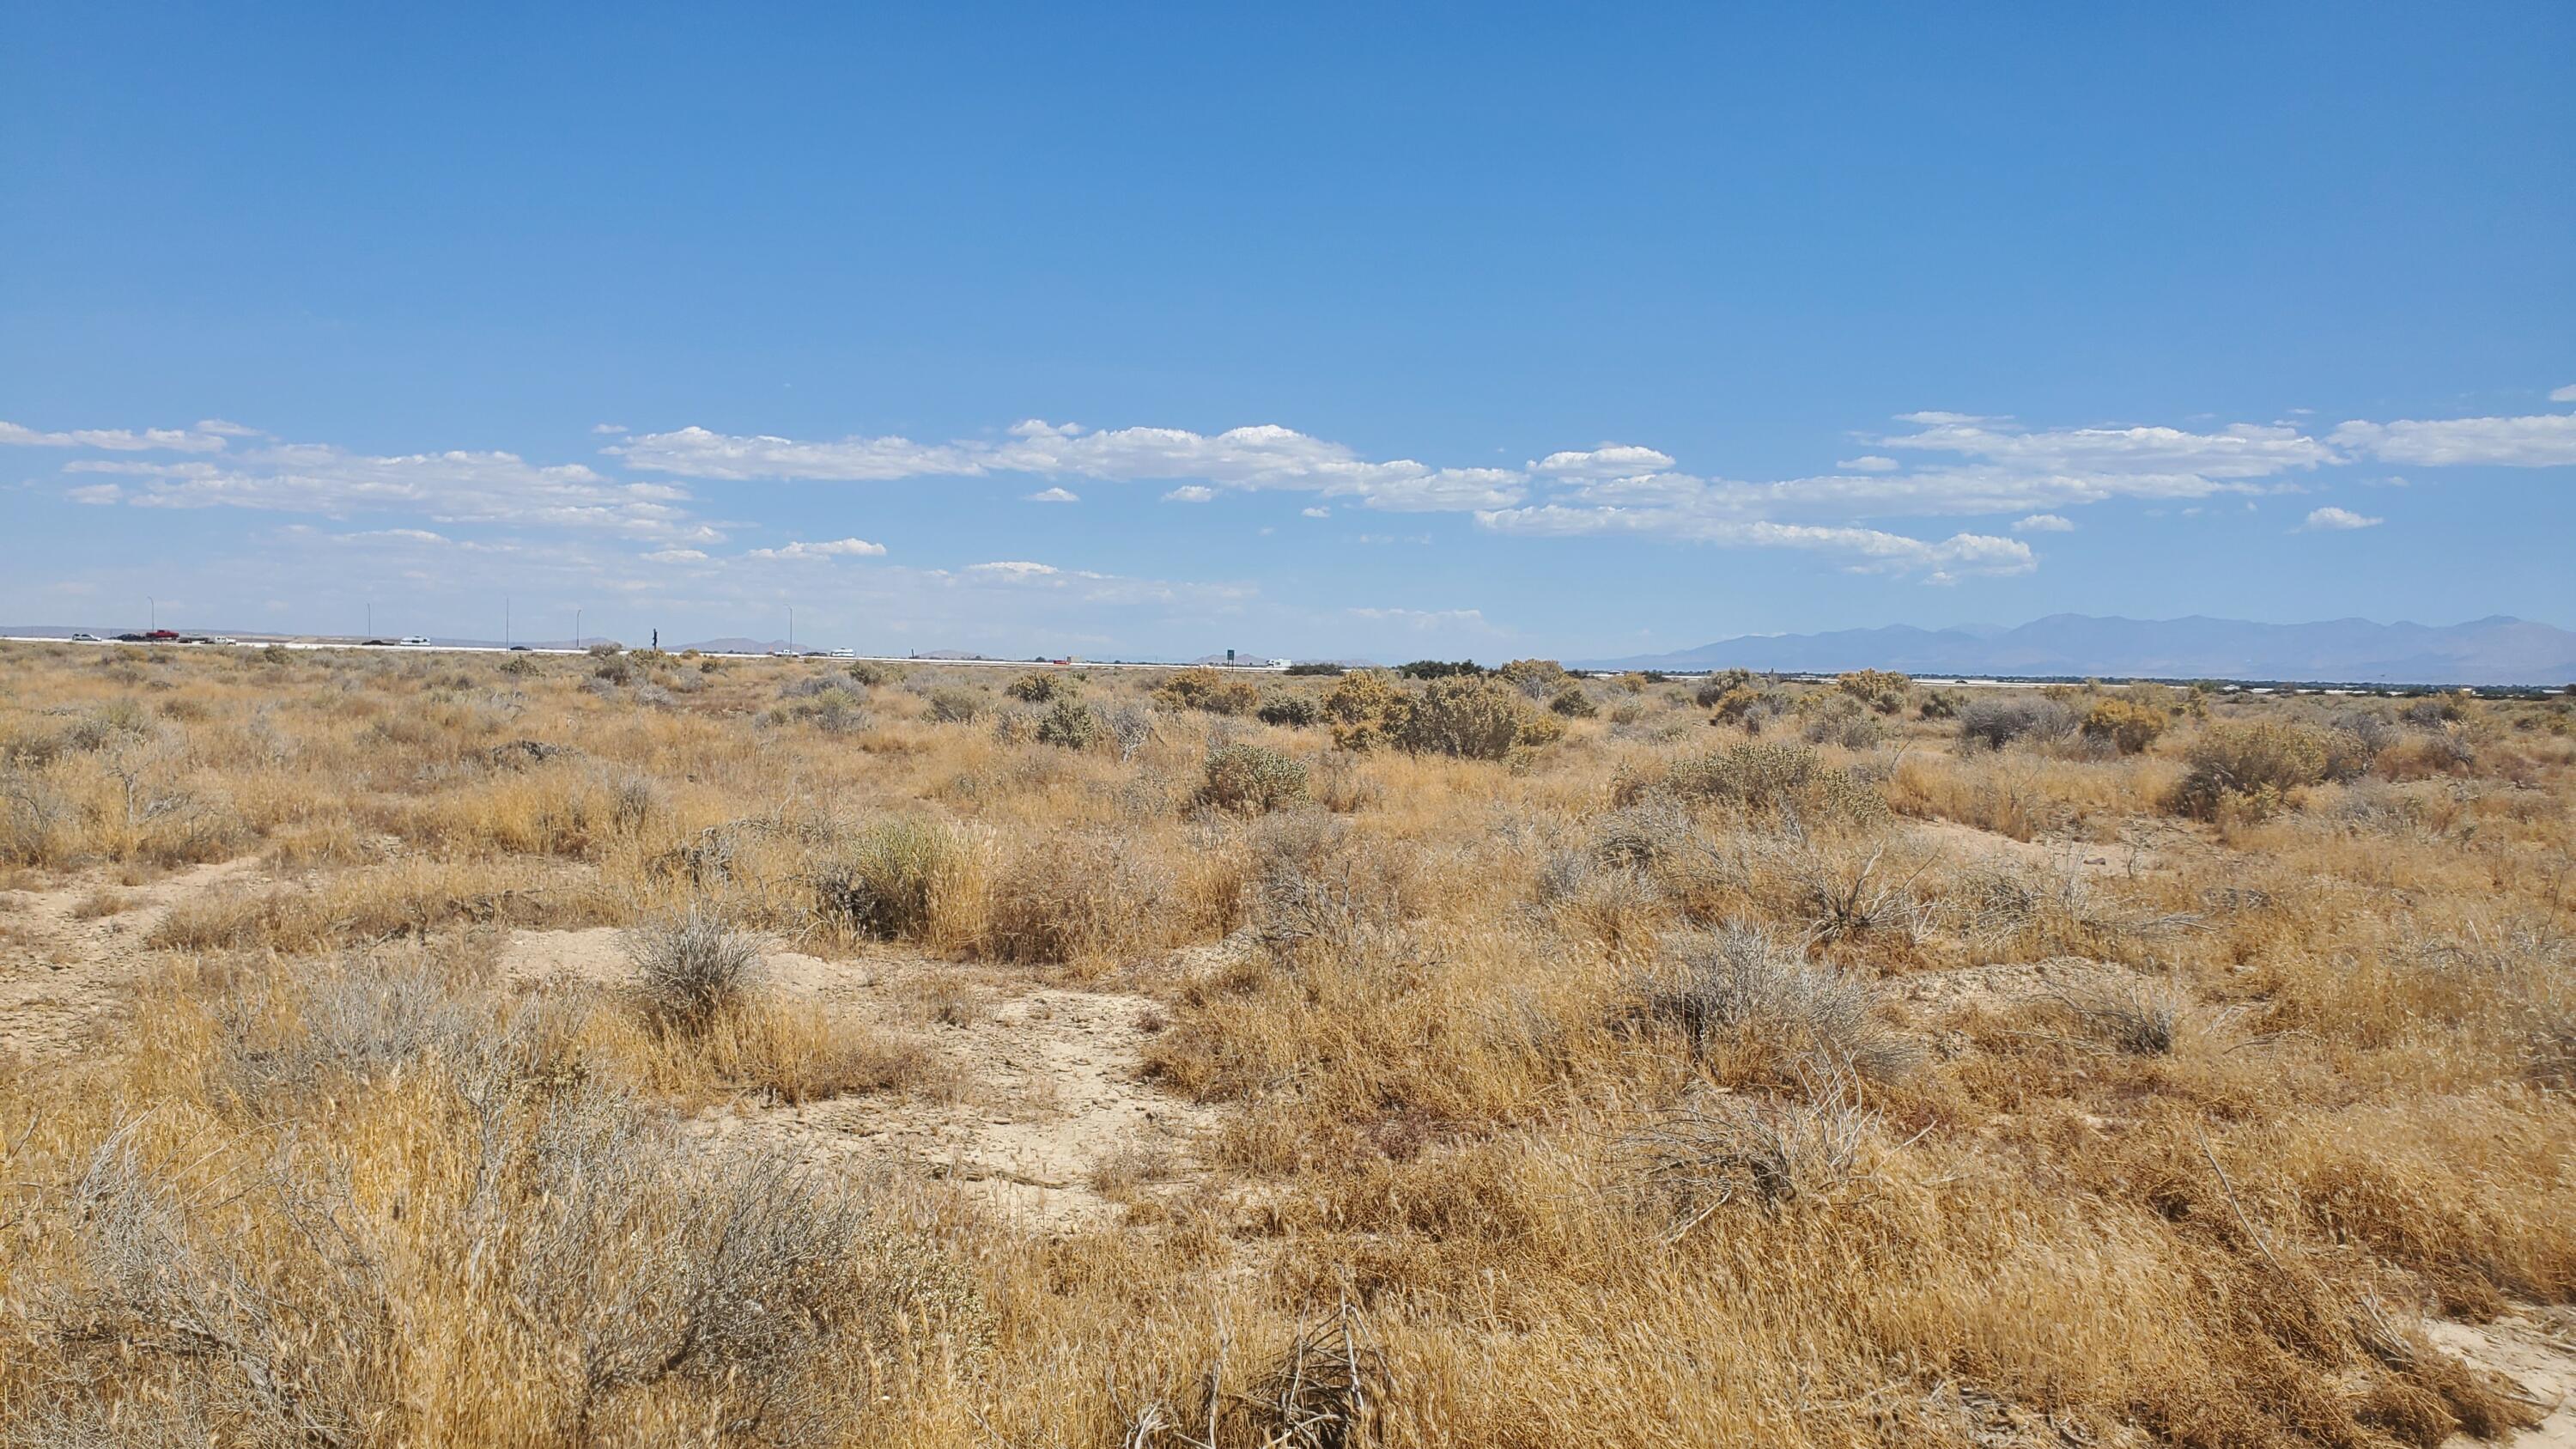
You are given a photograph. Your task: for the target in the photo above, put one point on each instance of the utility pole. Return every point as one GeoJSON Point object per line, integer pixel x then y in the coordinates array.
{"type": "Point", "coordinates": [791, 628]}
{"type": "Point", "coordinates": [151, 612]}
{"type": "Point", "coordinates": [371, 619]}
{"type": "Point", "coordinates": [505, 621]}
{"type": "Point", "coordinates": [576, 630]}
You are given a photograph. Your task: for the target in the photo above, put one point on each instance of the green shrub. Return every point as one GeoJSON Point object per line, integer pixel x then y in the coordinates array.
{"type": "Point", "coordinates": [1296, 711]}
{"type": "Point", "coordinates": [1036, 688]}
{"type": "Point", "coordinates": [870, 673]}
{"type": "Point", "coordinates": [1070, 724]}
{"type": "Point", "coordinates": [1252, 779]}
{"type": "Point", "coordinates": [1319, 667]}
{"type": "Point", "coordinates": [1573, 703]}
{"type": "Point", "coordinates": [1438, 669]}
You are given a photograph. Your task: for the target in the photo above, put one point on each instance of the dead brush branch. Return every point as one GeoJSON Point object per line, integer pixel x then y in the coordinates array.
{"type": "Point", "coordinates": [1325, 1390]}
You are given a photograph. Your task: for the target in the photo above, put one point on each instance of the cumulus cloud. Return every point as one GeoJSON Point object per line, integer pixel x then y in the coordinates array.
{"type": "Point", "coordinates": [2330, 520]}
{"type": "Point", "coordinates": [1055, 495]}
{"type": "Point", "coordinates": [96, 493]}
{"type": "Point", "coordinates": [1610, 460]}
{"type": "Point", "coordinates": [1190, 493]}
{"type": "Point", "coordinates": [608, 429]}
{"type": "Point", "coordinates": [205, 437]}
{"type": "Point", "coordinates": [834, 548]}
{"type": "Point", "coordinates": [2565, 394]}
{"type": "Point", "coordinates": [1869, 463]}
{"type": "Point", "coordinates": [675, 555]}
{"type": "Point", "coordinates": [2043, 523]}
{"type": "Point", "coordinates": [1317, 511]}
{"type": "Point", "coordinates": [2545, 440]}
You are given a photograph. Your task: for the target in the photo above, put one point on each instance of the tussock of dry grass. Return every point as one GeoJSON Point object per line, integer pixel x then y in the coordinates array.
{"type": "Point", "coordinates": [1561, 1097]}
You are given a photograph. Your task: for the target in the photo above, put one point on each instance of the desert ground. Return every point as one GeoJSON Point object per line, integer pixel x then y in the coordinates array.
{"type": "Point", "coordinates": [647, 1049]}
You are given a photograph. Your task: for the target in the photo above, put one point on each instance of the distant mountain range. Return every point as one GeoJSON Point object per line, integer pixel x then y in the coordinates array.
{"type": "Point", "coordinates": [2497, 650]}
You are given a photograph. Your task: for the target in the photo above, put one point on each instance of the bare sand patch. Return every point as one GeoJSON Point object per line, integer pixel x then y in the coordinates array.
{"type": "Point", "coordinates": [66, 962]}
{"type": "Point", "coordinates": [1054, 1103]}
{"type": "Point", "coordinates": [2535, 1348]}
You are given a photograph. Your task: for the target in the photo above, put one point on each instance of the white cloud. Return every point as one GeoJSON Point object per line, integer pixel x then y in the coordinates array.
{"type": "Point", "coordinates": [206, 437]}
{"type": "Point", "coordinates": [1610, 460]}
{"type": "Point", "coordinates": [834, 548]}
{"type": "Point", "coordinates": [1191, 493]}
{"type": "Point", "coordinates": [675, 555]}
{"type": "Point", "coordinates": [2239, 451]}
{"type": "Point", "coordinates": [1055, 495]}
{"type": "Point", "coordinates": [2565, 394]}
{"type": "Point", "coordinates": [2044, 523]}
{"type": "Point", "coordinates": [2328, 520]}
{"type": "Point", "coordinates": [1014, 569]}
{"type": "Point", "coordinates": [96, 493]}
{"type": "Point", "coordinates": [697, 453]}
{"type": "Point", "coordinates": [1426, 618]}
{"type": "Point", "coordinates": [1869, 463]}
{"type": "Point", "coordinates": [2545, 440]}
{"type": "Point", "coordinates": [1869, 550]}
{"type": "Point", "coordinates": [608, 429]}
{"type": "Point", "coordinates": [1315, 512]}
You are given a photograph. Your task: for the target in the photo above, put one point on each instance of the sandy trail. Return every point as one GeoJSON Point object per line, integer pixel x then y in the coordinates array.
{"type": "Point", "coordinates": [1051, 1103]}
{"type": "Point", "coordinates": [61, 974]}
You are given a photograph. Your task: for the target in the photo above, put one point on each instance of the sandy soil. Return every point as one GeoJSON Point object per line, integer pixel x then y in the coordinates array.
{"type": "Point", "coordinates": [1967, 843]}
{"type": "Point", "coordinates": [2536, 1349]}
{"type": "Point", "coordinates": [1051, 1123]}
{"type": "Point", "coordinates": [61, 974]}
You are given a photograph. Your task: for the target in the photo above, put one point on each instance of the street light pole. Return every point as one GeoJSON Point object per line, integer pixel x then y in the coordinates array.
{"type": "Point", "coordinates": [576, 631]}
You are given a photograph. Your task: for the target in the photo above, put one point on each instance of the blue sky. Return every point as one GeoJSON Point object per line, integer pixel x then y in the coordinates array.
{"type": "Point", "coordinates": [1486, 330]}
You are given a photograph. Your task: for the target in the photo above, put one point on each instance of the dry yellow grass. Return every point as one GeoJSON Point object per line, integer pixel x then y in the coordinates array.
{"type": "Point", "coordinates": [1581, 1097]}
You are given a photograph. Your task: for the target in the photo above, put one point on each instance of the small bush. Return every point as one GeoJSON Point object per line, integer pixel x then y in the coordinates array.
{"type": "Point", "coordinates": [1438, 669]}
{"type": "Point", "coordinates": [1996, 723]}
{"type": "Point", "coordinates": [1070, 724]}
{"type": "Point", "coordinates": [1324, 667]}
{"type": "Point", "coordinates": [2252, 769]}
{"type": "Point", "coordinates": [1039, 688]}
{"type": "Point", "coordinates": [1252, 780]}
{"type": "Point", "coordinates": [1474, 718]}
{"type": "Point", "coordinates": [1880, 690]}
{"type": "Point", "coordinates": [1210, 689]}
{"type": "Point", "coordinates": [951, 704]}
{"type": "Point", "coordinates": [1940, 704]}
{"type": "Point", "coordinates": [1761, 777]}
{"type": "Point", "coordinates": [694, 968]}
{"type": "Point", "coordinates": [1369, 710]}
{"type": "Point", "coordinates": [1737, 986]}
{"type": "Point", "coordinates": [1573, 703]}
{"type": "Point", "coordinates": [1717, 686]}
{"type": "Point", "coordinates": [2125, 726]}
{"type": "Point", "coordinates": [870, 673]}
{"type": "Point", "coordinates": [1295, 711]}
{"type": "Point", "coordinates": [891, 882]}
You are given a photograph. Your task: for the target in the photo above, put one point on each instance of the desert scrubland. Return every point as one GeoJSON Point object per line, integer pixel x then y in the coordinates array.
{"type": "Point", "coordinates": [642, 1049]}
